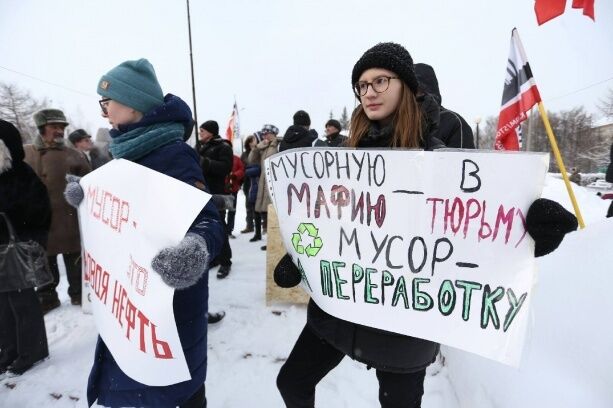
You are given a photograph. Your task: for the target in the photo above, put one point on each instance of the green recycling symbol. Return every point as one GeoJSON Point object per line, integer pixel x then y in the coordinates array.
{"type": "Point", "coordinates": [313, 248]}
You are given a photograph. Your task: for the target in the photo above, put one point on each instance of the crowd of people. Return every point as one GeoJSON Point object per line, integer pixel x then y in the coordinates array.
{"type": "Point", "coordinates": [399, 106]}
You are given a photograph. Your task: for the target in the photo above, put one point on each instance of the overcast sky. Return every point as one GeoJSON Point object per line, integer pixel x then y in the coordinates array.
{"type": "Point", "coordinates": [278, 56]}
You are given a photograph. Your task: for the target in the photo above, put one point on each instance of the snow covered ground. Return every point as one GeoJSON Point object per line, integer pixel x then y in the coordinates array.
{"type": "Point", "coordinates": [567, 358]}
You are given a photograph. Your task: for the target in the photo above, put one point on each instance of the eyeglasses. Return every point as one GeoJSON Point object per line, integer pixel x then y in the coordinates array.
{"type": "Point", "coordinates": [379, 85]}
{"type": "Point", "coordinates": [104, 102]}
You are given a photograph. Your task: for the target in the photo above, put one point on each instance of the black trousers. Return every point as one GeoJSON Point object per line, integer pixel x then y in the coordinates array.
{"type": "Point", "coordinates": [198, 400]}
{"type": "Point", "coordinates": [610, 211]}
{"type": "Point", "coordinates": [22, 327]}
{"type": "Point", "coordinates": [249, 218]}
{"type": "Point", "coordinates": [312, 358]}
{"type": "Point", "coordinates": [231, 216]}
{"type": "Point", "coordinates": [73, 273]}
{"type": "Point", "coordinates": [257, 220]}
{"type": "Point", "coordinates": [225, 255]}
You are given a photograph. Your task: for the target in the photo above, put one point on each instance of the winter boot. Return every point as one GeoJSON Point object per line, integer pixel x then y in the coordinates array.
{"type": "Point", "coordinates": [48, 301]}
{"type": "Point", "coordinates": [213, 318]}
{"type": "Point", "coordinates": [23, 364]}
{"type": "Point", "coordinates": [255, 238]}
{"type": "Point", "coordinates": [247, 230]}
{"type": "Point", "coordinates": [5, 361]}
{"type": "Point", "coordinates": [223, 271]}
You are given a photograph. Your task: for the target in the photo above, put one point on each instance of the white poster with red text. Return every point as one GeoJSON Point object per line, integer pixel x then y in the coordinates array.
{"type": "Point", "coordinates": [425, 244]}
{"type": "Point", "coordinates": [128, 215]}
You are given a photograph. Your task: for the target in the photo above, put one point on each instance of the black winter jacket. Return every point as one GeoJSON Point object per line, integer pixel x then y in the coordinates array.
{"type": "Point", "coordinates": [453, 130]}
{"type": "Point", "coordinates": [216, 162]}
{"type": "Point", "coordinates": [296, 137]}
{"type": "Point", "coordinates": [23, 196]}
{"type": "Point", "coordinates": [333, 140]}
{"type": "Point", "coordinates": [383, 350]}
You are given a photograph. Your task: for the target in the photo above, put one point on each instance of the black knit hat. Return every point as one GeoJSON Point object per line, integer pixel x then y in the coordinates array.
{"type": "Point", "coordinates": [335, 123]}
{"type": "Point", "coordinates": [301, 118]}
{"type": "Point", "coordinates": [391, 56]}
{"type": "Point", "coordinates": [77, 135]}
{"type": "Point", "coordinates": [210, 126]}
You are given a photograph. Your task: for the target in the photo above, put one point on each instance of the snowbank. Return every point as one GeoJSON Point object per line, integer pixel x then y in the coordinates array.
{"type": "Point", "coordinates": [567, 357]}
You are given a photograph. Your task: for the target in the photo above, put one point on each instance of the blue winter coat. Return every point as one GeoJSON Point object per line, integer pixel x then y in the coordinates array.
{"type": "Point", "coordinates": [252, 172]}
{"type": "Point", "coordinates": [107, 383]}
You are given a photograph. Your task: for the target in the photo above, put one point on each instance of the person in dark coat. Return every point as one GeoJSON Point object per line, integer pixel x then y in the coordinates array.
{"type": "Point", "coordinates": [333, 135]}
{"type": "Point", "coordinates": [82, 142]}
{"type": "Point", "coordinates": [385, 83]}
{"type": "Point", "coordinates": [216, 162]}
{"type": "Point", "coordinates": [250, 143]}
{"type": "Point", "coordinates": [25, 201]}
{"type": "Point", "coordinates": [252, 177]}
{"type": "Point", "coordinates": [148, 129]}
{"type": "Point", "coordinates": [298, 135]}
{"type": "Point", "coordinates": [453, 130]}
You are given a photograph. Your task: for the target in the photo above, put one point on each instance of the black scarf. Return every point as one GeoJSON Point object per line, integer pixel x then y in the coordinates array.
{"type": "Point", "coordinates": [382, 137]}
{"type": "Point", "coordinates": [377, 137]}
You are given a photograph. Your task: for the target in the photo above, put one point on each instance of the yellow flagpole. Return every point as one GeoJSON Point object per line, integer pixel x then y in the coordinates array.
{"type": "Point", "coordinates": [558, 157]}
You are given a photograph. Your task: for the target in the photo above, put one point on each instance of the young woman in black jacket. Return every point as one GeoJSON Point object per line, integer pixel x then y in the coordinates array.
{"type": "Point", "coordinates": [393, 113]}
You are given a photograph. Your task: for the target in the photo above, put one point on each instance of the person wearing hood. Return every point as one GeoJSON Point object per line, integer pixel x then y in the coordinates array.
{"type": "Point", "coordinates": [385, 84]}
{"type": "Point", "coordinates": [25, 202]}
{"type": "Point", "coordinates": [453, 130]}
{"type": "Point", "coordinates": [333, 135]}
{"type": "Point", "coordinates": [298, 135]}
{"type": "Point", "coordinates": [52, 160]}
{"type": "Point", "coordinates": [149, 129]}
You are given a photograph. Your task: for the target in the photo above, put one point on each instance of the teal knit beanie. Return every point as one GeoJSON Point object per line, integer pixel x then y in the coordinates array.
{"type": "Point", "coordinates": [134, 84]}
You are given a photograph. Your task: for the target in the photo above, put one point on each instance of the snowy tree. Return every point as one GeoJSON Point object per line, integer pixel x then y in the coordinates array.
{"type": "Point", "coordinates": [487, 133]}
{"type": "Point", "coordinates": [606, 105]}
{"type": "Point", "coordinates": [17, 107]}
{"type": "Point", "coordinates": [331, 114]}
{"type": "Point", "coordinates": [344, 119]}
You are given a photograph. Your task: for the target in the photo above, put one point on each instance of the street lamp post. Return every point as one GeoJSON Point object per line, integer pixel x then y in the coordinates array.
{"type": "Point", "coordinates": [477, 121]}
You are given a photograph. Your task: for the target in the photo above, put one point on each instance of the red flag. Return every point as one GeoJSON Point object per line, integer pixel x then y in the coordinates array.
{"type": "Point", "coordinates": [232, 129]}
{"type": "Point", "coordinates": [519, 95]}
{"type": "Point", "coordinates": [587, 6]}
{"type": "Point", "coordinates": [547, 9]}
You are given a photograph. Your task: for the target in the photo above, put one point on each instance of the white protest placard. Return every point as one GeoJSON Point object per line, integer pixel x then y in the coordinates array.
{"type": "Point", "coordinates": [128, 215]}
{"type": "Point", "coordinates": [426, 244]}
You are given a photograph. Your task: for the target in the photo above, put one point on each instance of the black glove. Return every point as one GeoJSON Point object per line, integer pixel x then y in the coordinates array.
{"type": "Point", "coordinates": [286, 274]}
{"type": "Point", "coordinates": [547, 223]}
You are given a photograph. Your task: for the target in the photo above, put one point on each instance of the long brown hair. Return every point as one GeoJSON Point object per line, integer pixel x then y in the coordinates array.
{"type": "Point", "coordinates": [407, 122]}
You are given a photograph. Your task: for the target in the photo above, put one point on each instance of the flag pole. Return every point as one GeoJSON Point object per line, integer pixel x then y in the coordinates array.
{"type": "Point", "coordinates": [560, 163]}
{"type": "Point", "coordinates": [191, 61]}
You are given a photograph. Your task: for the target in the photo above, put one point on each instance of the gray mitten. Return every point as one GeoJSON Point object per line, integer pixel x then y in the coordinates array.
{"type": "Point", "coordinates": [73, 192]}
{"type": "Point", "coordinates": [181, 266]}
